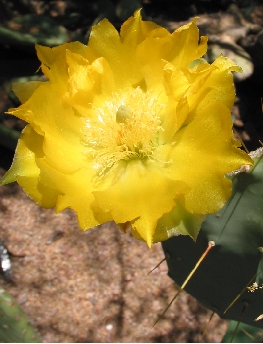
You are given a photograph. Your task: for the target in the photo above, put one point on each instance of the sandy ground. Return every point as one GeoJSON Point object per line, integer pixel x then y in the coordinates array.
{"type": "Point", "coordinates": [92, 286]}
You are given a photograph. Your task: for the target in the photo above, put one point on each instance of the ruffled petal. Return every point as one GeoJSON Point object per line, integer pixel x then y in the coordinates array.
{"type": "Point", "coordinates": [89, 84]}
{"type": "Point", "coordinates": [75, 192]}
{"type": "Point", "coordinates": [120, 49]}
{"type": "Point", "coordinates": [54, 64]}
{"type": "Point", "coordinates": [26, 172]}
{"type": "Point", "coordinates": [63, 131]}
{"type": "Point", "coordinates": [26, 90]}
{"type": "Point", "coordinates": [188, 45]}
{"type": "Point", "coordinates": [142, 194]}
{"type": "Point", "coordinates": [202, 153]}
{"type": "Point", "coordinates": [215, 84]}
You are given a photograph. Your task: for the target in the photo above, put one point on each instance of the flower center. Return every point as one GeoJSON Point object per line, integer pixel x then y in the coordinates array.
{"type": "Point", "coordinates": [126, 128]}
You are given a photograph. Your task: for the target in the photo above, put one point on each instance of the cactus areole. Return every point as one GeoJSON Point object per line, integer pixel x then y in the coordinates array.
{"type": "Point", "coordinates": [236, 260]}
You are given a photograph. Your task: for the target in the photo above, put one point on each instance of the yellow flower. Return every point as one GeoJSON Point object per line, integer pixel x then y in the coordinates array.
{"type": "Point", "coordinates": [134, 127]}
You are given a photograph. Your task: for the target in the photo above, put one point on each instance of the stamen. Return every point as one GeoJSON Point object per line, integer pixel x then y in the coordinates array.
{"type": "Point", "coordinates": [126, 128]}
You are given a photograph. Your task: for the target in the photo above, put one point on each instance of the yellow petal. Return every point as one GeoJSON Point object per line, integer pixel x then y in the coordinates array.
{"type": "Point", "coordinates": [214, 84]}
{"type": "Point", "coordinates": [188, 46]}
{"type": "Point", "coordinates": [25, 171]}
{"type": "Point", "coordinates": [202, 153]}
{"type": "Point", "coordinates": [51, 188]}
{"type": "Point", "coordinates": [55, 120]}
{"type": "Point", "coordinates": [51, 56]}
{"type": "Point", "coordinates": [90, 85]}
{"type": "Point", "coordinates": [54, 59]}
{"type": "Point", "coordinates": [120, 49]}
{"type": "Point", "coordinates": [25, 91]}
{"type": "Point", "coordinates": [141, 192]}
{"type": "Point", "coordinates": [75, 192]}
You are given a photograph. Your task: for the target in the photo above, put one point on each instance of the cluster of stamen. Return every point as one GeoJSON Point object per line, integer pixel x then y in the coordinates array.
{"type": "Point", "coordinates": [125, 128]}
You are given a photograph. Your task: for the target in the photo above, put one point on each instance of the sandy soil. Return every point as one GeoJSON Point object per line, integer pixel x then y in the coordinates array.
{"type": "Point", "coordinates": [92, 286]}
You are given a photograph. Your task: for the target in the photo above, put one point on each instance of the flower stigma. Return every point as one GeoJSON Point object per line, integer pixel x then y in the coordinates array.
{"type": "Point", "coordinates": [126, 128]}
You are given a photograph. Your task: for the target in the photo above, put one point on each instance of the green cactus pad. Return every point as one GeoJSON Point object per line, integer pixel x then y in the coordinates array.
{"type": "Point", "coordinates": [237, 231]}
{"type": "Point", "coordinates": [14, 325]}
{"type": "Point", "coordinates": [242, 333]}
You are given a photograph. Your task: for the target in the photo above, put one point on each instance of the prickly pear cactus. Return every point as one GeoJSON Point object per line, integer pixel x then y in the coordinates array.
{"type": "Point", "coordinates": [14, 325]}
{"type": "Point", "coordinates": [236, 260]}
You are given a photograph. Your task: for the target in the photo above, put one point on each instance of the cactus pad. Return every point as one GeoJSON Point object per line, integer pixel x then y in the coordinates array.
{"type": "Point", "coordinates": [14, 325]}
{"type": "Point", "coordinates": [237, 230]}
